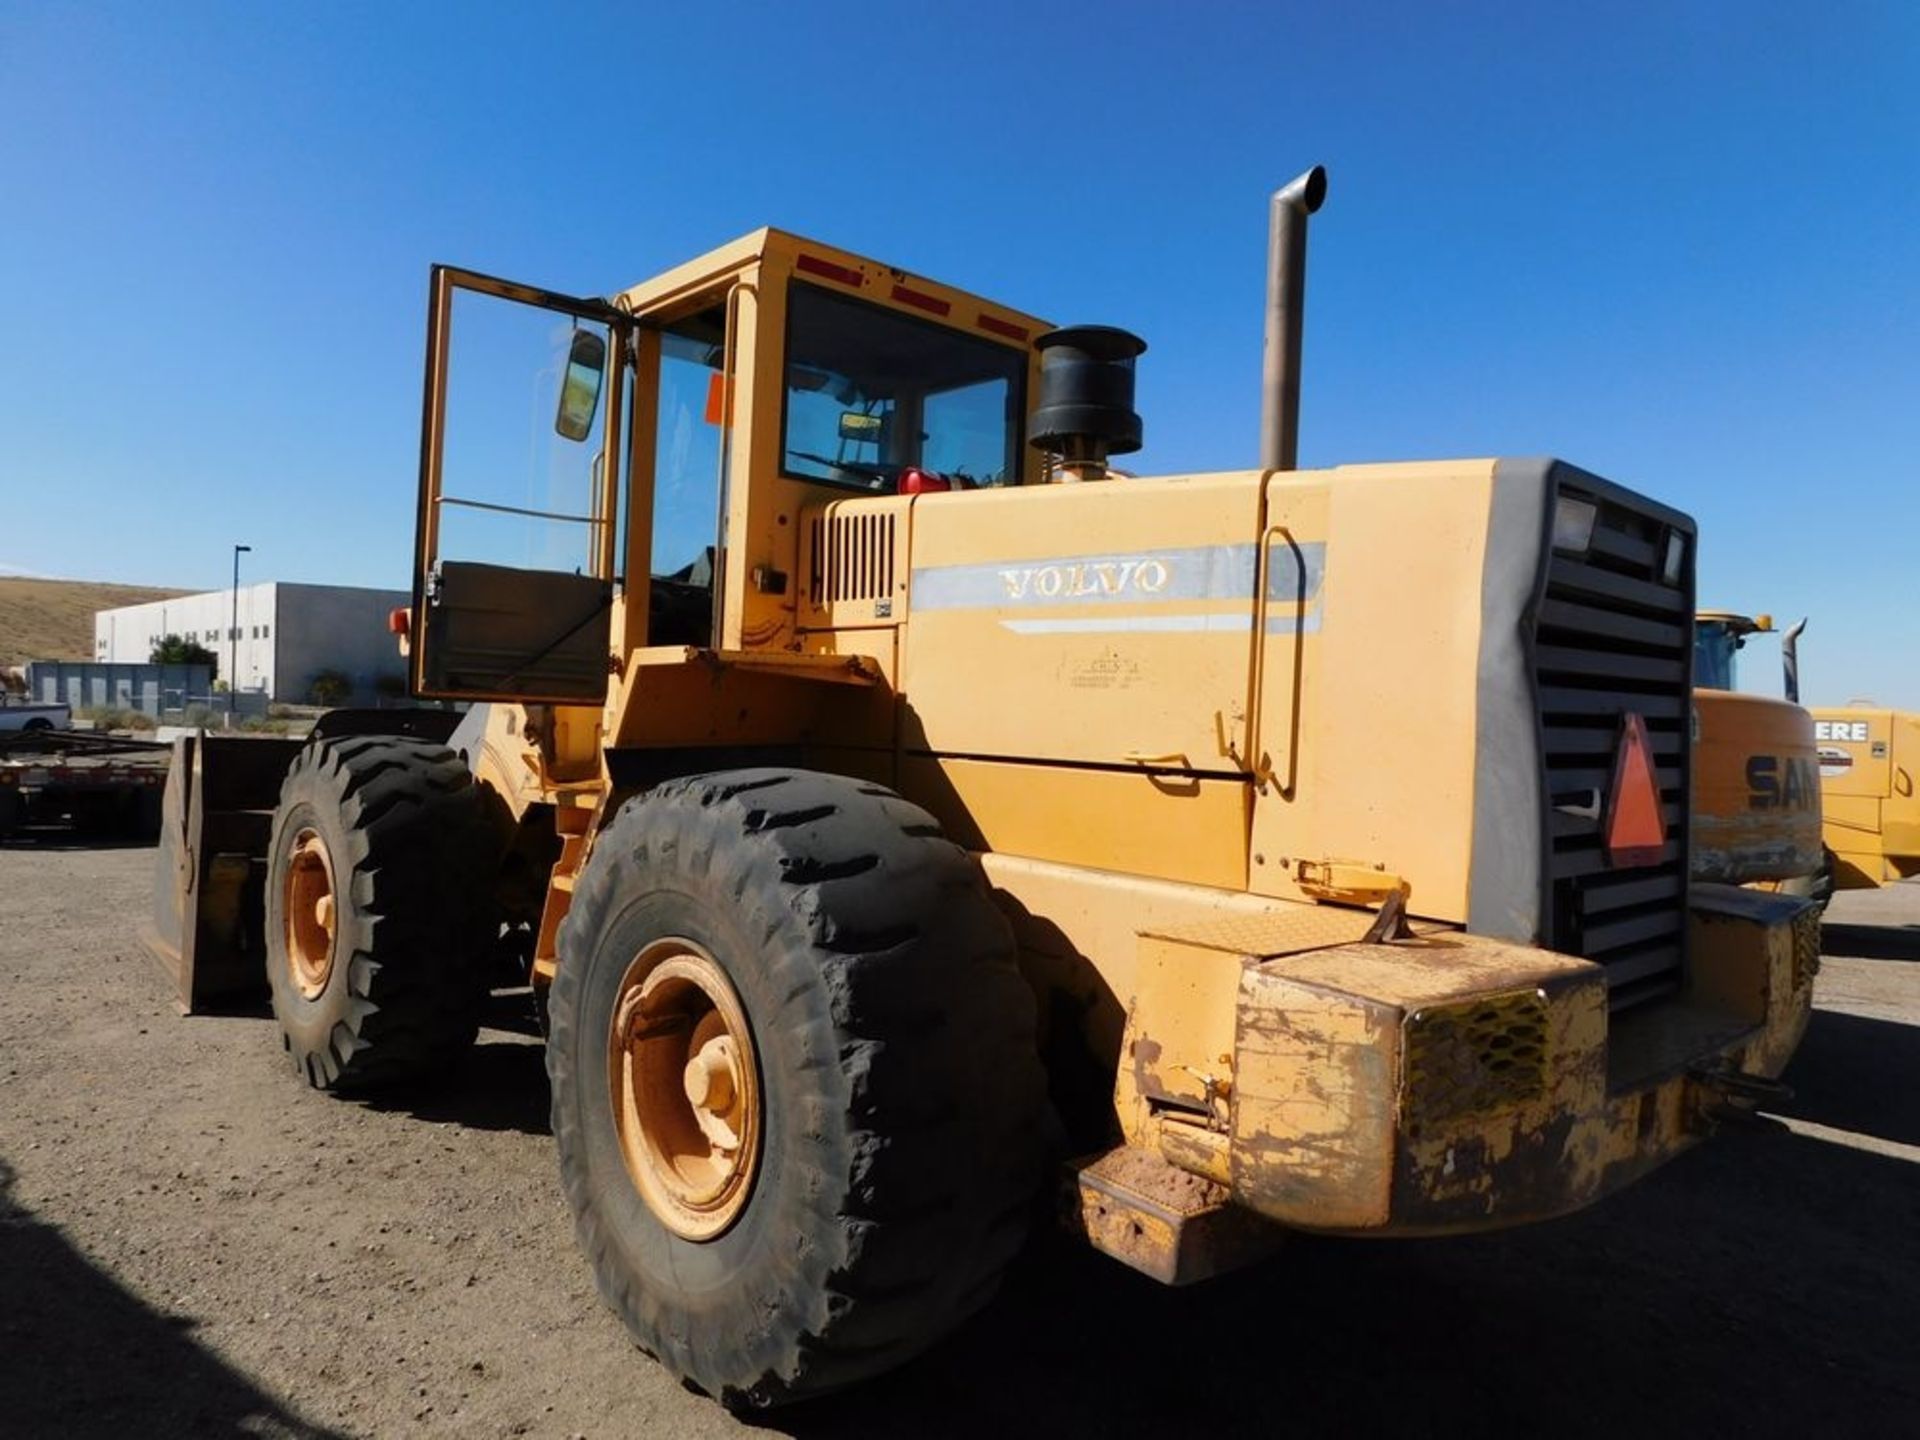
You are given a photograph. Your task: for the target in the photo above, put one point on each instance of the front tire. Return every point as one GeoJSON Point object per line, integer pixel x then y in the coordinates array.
{"type": "Point", "coordinates": [378, 911]}
{"type": "Point", "coordinates": [823, 940]}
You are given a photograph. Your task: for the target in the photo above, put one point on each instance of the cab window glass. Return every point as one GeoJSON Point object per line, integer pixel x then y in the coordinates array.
{"type": "Point", "coordinates": [870, 392]}
{"type": "Point", "coordinates": [686, 474]}
{"type": "Point", "coordinates": [513, 491]}
{"type": "Point", "coordinates": [1714, 646]}
{"type": "Point", "coordinates": [966, 430]}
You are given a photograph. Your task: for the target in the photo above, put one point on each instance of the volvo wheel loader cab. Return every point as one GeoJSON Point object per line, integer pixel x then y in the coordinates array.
{"type": "Point", "coordinates": [1756, 796]}
{"type": "Point", "coordinates": [896, 808]}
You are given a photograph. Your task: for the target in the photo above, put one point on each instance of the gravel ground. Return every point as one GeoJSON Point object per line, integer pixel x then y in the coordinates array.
{"type": "Point", "coordinates": [191, 1243]}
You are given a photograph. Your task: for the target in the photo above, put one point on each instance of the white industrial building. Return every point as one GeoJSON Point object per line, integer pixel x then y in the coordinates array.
{"type": "Point", "coordinates": [285, 636]}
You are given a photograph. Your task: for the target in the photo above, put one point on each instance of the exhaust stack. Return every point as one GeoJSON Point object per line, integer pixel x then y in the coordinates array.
{"type": "Point", "coordinates": [1286, 309]}
{"type": "Point", "coordinates": [1790, 660]}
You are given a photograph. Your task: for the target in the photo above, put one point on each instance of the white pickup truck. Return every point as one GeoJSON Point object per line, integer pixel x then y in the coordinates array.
{"type": "Point", "coordinates": [34, 717]}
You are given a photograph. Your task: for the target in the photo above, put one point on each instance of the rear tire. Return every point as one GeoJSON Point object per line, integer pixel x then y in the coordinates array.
{"type": "Point", "coordinates": [900, 1107]}
{"type": "Point", "coordinates": [391, 833]}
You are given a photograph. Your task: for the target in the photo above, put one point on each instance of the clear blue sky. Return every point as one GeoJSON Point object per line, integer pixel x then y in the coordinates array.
{"type": "Point", "coordinates": [1676, 244]}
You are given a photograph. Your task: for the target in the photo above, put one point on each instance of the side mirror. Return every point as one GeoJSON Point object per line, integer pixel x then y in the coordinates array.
{"type": "Point", "coordinates": [580, 387]}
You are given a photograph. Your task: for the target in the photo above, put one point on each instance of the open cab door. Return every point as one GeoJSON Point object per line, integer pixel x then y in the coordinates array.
{"type": "Point", "coordinates": [520, 456]}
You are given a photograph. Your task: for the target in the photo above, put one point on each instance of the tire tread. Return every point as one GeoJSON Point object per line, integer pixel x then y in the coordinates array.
{"type": "Point", "coordinates": [924, 1062]}
{"type": "Point", "coordinates": [416, 920]}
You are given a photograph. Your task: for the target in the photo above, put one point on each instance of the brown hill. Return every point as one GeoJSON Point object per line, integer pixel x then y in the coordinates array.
{"type": "Point", "coordinates": [53, 619]}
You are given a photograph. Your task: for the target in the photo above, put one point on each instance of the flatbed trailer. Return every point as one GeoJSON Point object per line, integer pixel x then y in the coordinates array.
{"type": "Point", "coordinates": [91, 783]}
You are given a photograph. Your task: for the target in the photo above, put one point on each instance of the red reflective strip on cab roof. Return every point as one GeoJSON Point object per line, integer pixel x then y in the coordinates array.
{"type": "Point", "coordinates": [932, 304]}
{"type": "Point", "coordinates": [814, 265]}
{"type": "Point", "coordinates": [1004, 327]}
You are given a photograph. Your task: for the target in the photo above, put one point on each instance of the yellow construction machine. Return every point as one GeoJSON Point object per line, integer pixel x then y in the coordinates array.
{"type": "Point", "coordinates": [1865, 756]}
{"type": "Point", "coordinates": [1756, 782]}
{"type": "Point", "coordinates": [1869, 755]}
{"type": "Point", "coordinates": [894, 811]}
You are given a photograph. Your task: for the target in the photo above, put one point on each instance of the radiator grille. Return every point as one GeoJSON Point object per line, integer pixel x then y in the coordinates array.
{"type": "Point", "coordinates": [1611, 637]}
{"type": "Point", "coordinates": [852, 558]}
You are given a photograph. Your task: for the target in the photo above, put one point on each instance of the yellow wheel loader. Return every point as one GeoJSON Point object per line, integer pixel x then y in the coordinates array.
{"type": "Point", "coordinates": [1865, 757]}
{"type": "Point", "coordinates": [1869, 756]}
{"type": "Point", "coordinates": [1756, 791]}
{"type": "Point", "coordinates": [904, 819]}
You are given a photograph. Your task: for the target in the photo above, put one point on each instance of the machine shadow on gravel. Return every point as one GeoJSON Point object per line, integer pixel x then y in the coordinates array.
{"type": "Point", "coordinates": [1871, 942]}
{"type": "Point", "coordinates": [1859, 1074]}
{"type": "Point", "coordinates": [500, 1084]}
{"type": "Point", "coordinates": [81, 1357]}
{"type": "Point", "coordinates": [57, 837]}
{"type": "Point", "coordinates": [1760, 1279]}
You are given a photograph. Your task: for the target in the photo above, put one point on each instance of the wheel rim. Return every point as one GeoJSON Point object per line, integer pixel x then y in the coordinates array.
{"type": "Point", "coordinates": [308, 905]}
{"type": "Point", "coordinates": [685, 1083]}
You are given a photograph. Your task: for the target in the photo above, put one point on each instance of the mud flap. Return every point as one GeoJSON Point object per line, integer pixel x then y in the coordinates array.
{"type": "Point", "coordinates": [209, 895]}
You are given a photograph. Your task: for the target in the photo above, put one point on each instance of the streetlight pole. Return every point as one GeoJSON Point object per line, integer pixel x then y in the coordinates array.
{"type": "Point", "coordinates": [233, 634]}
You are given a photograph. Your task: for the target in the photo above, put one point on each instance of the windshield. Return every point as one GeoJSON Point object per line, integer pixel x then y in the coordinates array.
{"type": "Point", "coordinates": [1714, 647]}
{"type": "Point", "coordinates": [870, 392]}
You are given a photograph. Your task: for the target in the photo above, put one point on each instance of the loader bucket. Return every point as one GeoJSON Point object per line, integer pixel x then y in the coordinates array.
{"type": "Point", "coordinates": [208, 924]}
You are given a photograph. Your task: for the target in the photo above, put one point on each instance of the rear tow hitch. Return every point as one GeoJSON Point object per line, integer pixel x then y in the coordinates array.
{"type": "Point", "coordinates": [1735, 1097]}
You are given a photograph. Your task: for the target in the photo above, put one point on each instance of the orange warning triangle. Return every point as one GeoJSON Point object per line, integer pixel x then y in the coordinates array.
{"type": "Point", "coordinates": [1636, 824]}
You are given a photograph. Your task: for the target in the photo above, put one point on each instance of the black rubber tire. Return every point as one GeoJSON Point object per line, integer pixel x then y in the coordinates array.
{"type": "Point", "coordinates": [411, 848]}
{"type": "Point", "coordinates": [903, 1099]}
{"type": "Point", "coordinates": [38, 723]}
